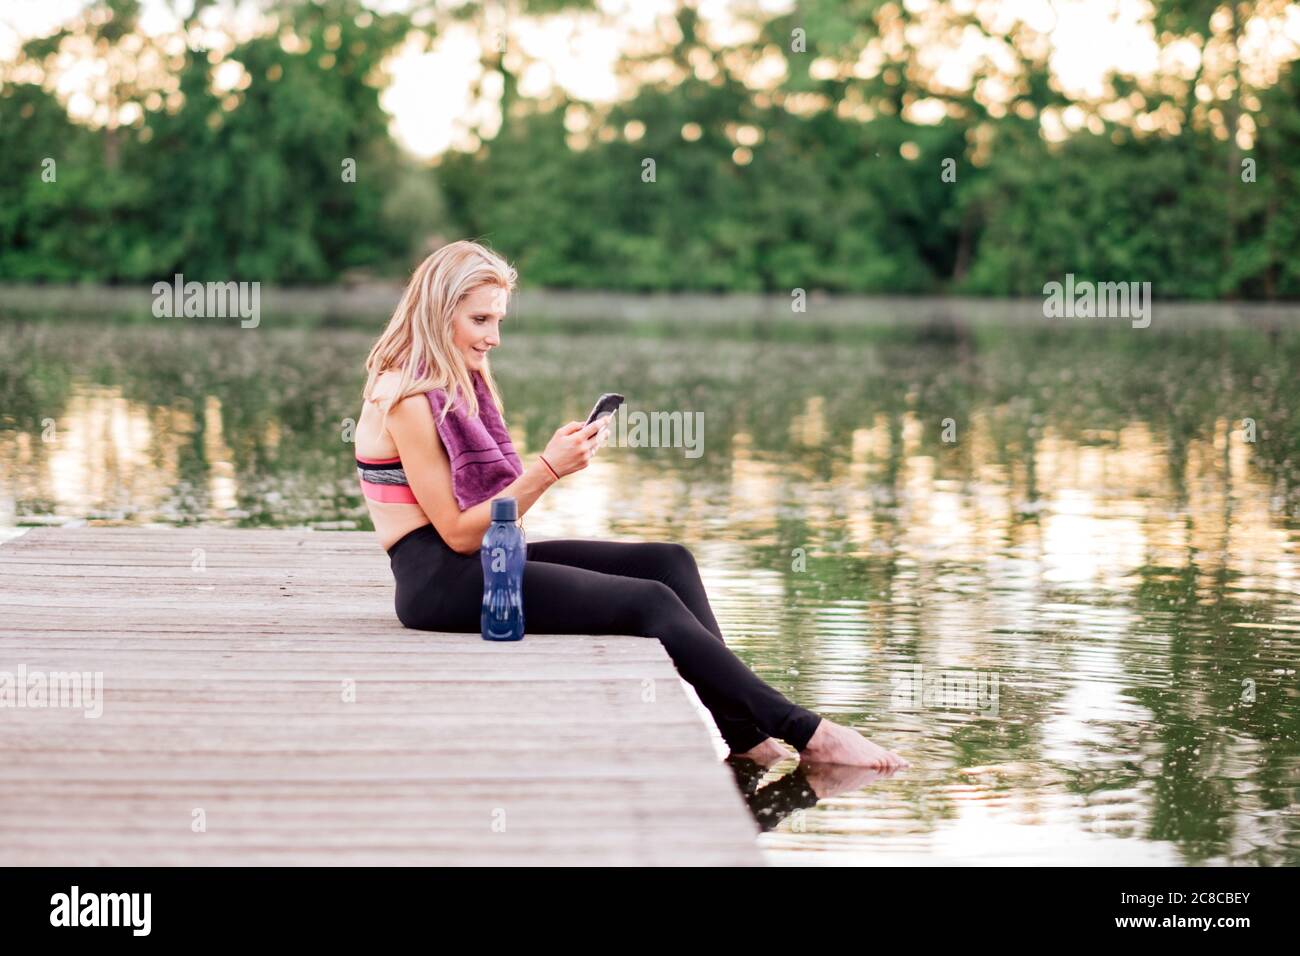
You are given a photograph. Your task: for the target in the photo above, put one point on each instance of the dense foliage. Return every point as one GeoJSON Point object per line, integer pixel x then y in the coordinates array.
{"type": "Point", "coordinates": [826, 181]}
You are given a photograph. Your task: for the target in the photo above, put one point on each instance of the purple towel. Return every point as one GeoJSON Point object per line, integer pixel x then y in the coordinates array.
{"type": "Point", "coordinates": [483, 459]}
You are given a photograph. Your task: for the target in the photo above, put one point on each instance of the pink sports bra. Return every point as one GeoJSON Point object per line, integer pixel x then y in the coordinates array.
{"type": "Point", "coordinates": [384, 479]}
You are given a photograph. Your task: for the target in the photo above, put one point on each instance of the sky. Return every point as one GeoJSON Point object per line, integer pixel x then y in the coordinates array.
{"type": "Point", "coordinates": [578, 52]}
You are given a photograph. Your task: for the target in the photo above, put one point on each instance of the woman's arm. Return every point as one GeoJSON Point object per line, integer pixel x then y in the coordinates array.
{"type": "Point", "coordinates": [429, 472]}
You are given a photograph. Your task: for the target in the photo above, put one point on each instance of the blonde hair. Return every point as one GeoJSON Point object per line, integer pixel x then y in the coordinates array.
{"type": "Point", "coordinates": [420, 330]}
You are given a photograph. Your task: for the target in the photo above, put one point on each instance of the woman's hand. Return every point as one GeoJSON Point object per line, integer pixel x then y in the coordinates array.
{"type": "Point", "coordinates": [573, 445]}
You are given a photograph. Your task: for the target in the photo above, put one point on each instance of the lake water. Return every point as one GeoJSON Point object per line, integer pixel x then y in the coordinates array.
{"type": "Point", "coordinates": [1057, 569]}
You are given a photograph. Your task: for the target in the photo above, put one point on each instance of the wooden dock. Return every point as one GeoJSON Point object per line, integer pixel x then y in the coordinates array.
{"type": "Point", "coordinates": [262, 705]}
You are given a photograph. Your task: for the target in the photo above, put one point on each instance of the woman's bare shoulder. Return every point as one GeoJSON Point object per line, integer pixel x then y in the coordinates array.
{"type": "Point", "coordinates": [385, 388]}
{"type": "Point", "coordinates": [414, 407]}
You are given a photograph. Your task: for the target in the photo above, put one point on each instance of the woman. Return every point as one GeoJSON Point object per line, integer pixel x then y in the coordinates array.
{"type": "Point", "coordinates": [448, 320]}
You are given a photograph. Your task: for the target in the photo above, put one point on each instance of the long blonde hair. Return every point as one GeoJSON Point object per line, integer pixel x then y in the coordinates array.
{"type": "Point", "coordinates": [420, 331]}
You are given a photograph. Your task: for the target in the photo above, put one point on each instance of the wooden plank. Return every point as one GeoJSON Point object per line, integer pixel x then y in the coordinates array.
{"type": "Point", "coordinates": [221, 692]}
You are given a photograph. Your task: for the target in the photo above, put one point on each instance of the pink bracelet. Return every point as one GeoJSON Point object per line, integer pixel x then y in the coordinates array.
{"type": "Point", "coordinates": [548, 465]}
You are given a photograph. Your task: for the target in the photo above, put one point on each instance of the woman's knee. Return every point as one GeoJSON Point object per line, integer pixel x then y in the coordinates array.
{"type": "Point", "coordinates": [671, 555]}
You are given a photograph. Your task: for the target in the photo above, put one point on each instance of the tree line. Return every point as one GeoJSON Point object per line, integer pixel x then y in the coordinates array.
{"type": "Point", "coordinates": [285, 171]}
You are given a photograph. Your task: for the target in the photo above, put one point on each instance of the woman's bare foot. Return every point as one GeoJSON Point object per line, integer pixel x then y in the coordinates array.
{"type": "Point", "coordinates": [767, 753]}
{"type": "Point", "coordinates": [832, 743]}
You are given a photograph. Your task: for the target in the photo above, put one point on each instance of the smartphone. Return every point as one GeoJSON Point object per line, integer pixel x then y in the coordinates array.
{"type": "Point", "coordinates": [607, 404]}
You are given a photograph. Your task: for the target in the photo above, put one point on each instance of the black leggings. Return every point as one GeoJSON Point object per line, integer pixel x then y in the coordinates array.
{"type": "Point", "coordinates": [650, 589]}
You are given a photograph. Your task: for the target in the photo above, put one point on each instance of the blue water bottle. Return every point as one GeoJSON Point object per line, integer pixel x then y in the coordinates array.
{"type": "Point", "coordinates": [503, 553]}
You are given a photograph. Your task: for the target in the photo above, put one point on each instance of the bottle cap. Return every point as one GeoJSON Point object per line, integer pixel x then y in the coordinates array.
{"type": "Point", "coordinates": [505, 509]}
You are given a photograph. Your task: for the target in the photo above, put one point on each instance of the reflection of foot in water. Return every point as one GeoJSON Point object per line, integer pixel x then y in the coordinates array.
{"type": "Point", "coordinates": [769, 752]}
{"type": "Point", "coordinates": [832, 779]}
{"type": "Point", "coordinates": [802, 787]}
{"type": "Point", "coordinates": [773, 803]}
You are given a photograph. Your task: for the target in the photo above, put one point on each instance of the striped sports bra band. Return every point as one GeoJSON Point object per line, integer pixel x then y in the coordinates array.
{"type": "Point", "coordinates": [384, 479]}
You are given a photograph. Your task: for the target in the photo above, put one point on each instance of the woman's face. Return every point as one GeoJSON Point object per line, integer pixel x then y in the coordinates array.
{"type": "Point", "coordinates": [476, 323]}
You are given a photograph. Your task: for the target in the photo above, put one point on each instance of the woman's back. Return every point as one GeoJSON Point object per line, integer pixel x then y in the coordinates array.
{"type": "Point", "coordinates": [393, 509]}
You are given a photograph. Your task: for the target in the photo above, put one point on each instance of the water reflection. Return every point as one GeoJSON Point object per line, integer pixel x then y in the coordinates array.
{"type": "Point", "coordinates": [1099, 533]}
{"type": "Point", "coordinates": [110, 460]}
